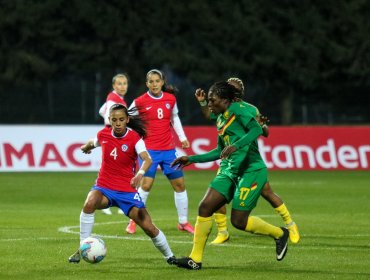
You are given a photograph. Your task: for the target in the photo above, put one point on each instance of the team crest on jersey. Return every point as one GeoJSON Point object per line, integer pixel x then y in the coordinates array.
{"type": "Point", "coordinates": [168, 106]}
{"type": "Point", "coordinates": [124, 148]}
{"type": "Point", "coordinates": [226, 114]}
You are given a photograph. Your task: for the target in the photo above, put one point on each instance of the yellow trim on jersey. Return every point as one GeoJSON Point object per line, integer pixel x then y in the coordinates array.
{"type": "Point", "coordinates": [226, 125]}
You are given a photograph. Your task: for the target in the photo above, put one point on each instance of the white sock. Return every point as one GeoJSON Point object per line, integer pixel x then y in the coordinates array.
{"type": "Point", "coordinates": [181, 202]}
{"type": "Point", "coordinates": [86, 225]}
{"type": "Point", "coordinates": [143, 194]}
{"type": "Point", "coordinates": [160, 242]}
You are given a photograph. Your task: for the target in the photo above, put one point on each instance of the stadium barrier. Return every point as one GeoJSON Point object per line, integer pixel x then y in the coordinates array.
{"type": "Point", "coordinates": [57, 147]}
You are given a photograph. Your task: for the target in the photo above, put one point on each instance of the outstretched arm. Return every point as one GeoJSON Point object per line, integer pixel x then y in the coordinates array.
{"type": "Point", "coordinates": [183, 161]}
{"type": "Point", "coordinates": [89, 146]}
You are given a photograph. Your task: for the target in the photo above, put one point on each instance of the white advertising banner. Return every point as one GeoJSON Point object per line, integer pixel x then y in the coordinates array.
{"type": "Point", "coordinates": [47, 148]}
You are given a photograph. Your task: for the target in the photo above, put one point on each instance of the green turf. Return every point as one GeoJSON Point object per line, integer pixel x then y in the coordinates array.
{"type": "Point", "coordinates": [39, 218]}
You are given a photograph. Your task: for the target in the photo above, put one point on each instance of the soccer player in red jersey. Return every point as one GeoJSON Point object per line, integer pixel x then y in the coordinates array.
{"type": "Point", "coordinates": [116, 184]}
{"type": "Point", "coordinates": [116, 96]}
{"type": "Point", "coordinates": [158, 108]}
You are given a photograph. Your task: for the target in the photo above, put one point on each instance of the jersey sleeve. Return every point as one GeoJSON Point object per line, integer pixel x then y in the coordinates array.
{"type": "Point", "coordinates": [96, 142]}
{"type": "Point", "coordinates": [103, 109]}
{"type": "Point", "coordinates": [175, 109]}
{"type": "Point", "coordinates": [177, 126]}
{"type": "Point", "coordinates": [133, 112]}
{"type": "Point", "coordinates": [140, 146]}
{"type": "Point", "coordinates": [109, 103]}
{"type": "Point", "coordinates": [206, 157]}
{"type": "Point", "coordinates": [254, 130]}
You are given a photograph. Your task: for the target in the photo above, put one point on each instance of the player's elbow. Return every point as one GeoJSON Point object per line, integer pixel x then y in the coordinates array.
{"type": "Point", "coordinates": [149, 161]}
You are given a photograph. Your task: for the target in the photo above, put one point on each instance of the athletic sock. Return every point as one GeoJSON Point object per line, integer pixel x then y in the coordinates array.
{"type": "Point", "coordinates": [143, 194]}
{"type": "Point", "coordinates": [160, 242]}
{"type": "Point", "coordinates": [284, 213]}
{"type": "Point", "coordinates": [258, 226]}
{"type": "Point", "coordinates": [181, 202]}
{"type": "Point", "coordinates": [202, 229]}
{"type": "Point", "coordinates": [86, 225]}
{"type": "Point", "coordinates": [220, 220]}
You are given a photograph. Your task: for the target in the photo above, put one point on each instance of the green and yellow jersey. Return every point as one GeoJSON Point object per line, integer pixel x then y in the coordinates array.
{"type": "Point", "coordinates": [238, 127]}
{"type": "Point", "coordinates": [249, 108]}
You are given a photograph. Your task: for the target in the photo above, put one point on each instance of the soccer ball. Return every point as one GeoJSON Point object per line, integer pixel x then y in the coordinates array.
{"type": "Point", "coordinates": [93, 249]}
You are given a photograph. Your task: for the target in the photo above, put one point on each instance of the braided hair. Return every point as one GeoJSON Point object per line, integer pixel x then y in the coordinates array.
{"type": "Point", "coordinates": [223, 90]}
{"type": "Point", "coordinates": [239, 86]}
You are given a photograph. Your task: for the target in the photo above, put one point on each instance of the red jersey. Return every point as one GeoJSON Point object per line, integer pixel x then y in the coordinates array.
{"type": "Point", "coordinates": [115, 98]}
{"type": "Point", "coordinates": [157, 112]}
{"type": "Point", "coordinates": [118, 160]}
{"type": "Point", "coordinates": [112, 98]}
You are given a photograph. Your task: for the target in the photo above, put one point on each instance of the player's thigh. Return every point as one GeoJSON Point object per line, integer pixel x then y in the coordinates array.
{"type": "Point", "coordinates": [95, 199]}
{"type": "Point", "coordinates": [249, 190]}
{"type": "Point", "coordinates": [225, 185]}
{"type": "Point", "coordinates": [211, 202]}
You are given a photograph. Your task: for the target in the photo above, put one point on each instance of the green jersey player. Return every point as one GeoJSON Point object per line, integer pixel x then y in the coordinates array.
{"type": "Point", "coordinates": [241, 177]}
{"type": "Point", "coordinates": [267, 192]}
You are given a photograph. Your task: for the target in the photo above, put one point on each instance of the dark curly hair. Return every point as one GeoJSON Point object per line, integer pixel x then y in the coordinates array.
{"type": "Point", "coordinates": [223, 90]}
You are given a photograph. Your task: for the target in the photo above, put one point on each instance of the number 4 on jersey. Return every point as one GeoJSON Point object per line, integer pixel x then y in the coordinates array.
{"type": "Point", "coordinates": [113, 153]}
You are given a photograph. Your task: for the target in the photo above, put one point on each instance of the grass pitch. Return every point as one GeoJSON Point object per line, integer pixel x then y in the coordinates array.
{"type": "Point", "coordinates": [39, 224]}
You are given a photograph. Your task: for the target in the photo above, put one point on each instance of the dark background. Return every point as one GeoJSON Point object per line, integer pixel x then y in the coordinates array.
{"type": "Point", "coordinates": [303, 62]}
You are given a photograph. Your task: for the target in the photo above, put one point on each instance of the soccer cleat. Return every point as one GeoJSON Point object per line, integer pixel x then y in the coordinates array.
{"type": "Point", "coordinates": [186, 227]}
{"type": "Point", "coordinates": [293, 233]}
{"type": "Point", "coordinates": [282, 245]}
{"type": "Point", "coordinates": [131, 227]}
{"type": "Point", "coordinates": [188, 263]}
{"type": "Point", "coordinates": [222, 237]}
{"type": "Point", "coordinates": [75, 258]}
{"type": "Point", "coordinates": [120, 211]}
{"type": "Point", "coordinates": [172, 260]}
{"type": "Point", "coordinates": [107, 211]}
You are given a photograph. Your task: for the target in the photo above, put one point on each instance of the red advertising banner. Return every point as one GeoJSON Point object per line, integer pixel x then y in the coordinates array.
{"type": "Point", "coordinates": [299, 148]}
{"type": "Point", "coordinates": [57, 148]}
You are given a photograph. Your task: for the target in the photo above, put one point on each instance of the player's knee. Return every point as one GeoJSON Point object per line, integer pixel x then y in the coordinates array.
{"type": "Point", "coordinates": [90, 205]}
{"type": "Point", "coordinates": [239, 222]}
{"type": "Point", "coordinates": [179, 188]}
{"type": "Point", "coordinates": [205, 209]}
